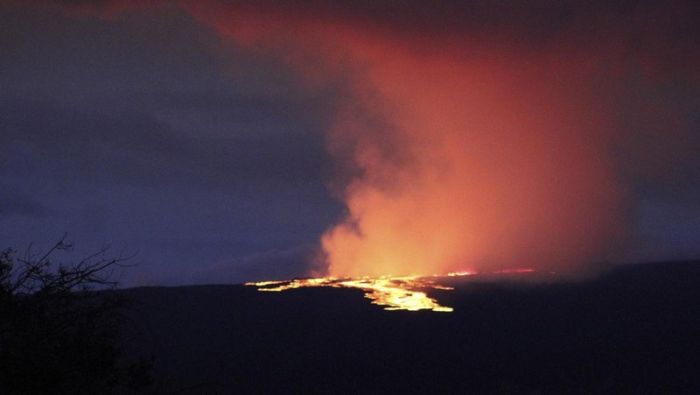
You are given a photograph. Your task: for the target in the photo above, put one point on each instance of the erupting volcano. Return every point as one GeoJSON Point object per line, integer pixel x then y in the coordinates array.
{"type": "Point", "coordinates": [450, 196]}
{"type": "Point", "coordinates": [485, 133]}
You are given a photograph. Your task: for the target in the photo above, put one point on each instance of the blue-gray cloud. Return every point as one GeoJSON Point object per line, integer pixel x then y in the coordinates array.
{"type": "Point", "coordinates": [146, 132]}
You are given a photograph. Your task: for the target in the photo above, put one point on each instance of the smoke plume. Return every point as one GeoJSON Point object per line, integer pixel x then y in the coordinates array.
{"type": "Point", "coordinates": [478, 136]}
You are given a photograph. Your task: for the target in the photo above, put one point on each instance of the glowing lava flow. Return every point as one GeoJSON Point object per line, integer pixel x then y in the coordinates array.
{"type": "Point", "coordinates": [395, 293]}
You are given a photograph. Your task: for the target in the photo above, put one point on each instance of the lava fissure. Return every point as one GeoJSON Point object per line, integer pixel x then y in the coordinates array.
{"type": "Point", "coordinates": [392, 292]}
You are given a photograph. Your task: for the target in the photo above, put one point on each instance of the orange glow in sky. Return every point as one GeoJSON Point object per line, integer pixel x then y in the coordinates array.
{"type": "Point", "coordinates": [450, 150]}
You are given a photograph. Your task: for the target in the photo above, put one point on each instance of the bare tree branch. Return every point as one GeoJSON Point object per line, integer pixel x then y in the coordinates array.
{"type": "Point", "coordinates": [55, 331]}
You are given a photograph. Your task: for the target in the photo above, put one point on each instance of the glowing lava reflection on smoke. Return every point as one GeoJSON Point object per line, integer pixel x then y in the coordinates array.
{"type": "Point", "coordinates": [394, 293]}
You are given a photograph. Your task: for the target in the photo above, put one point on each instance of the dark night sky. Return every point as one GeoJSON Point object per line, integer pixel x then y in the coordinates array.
{"type": "Point", "coordinates": [149, 132]}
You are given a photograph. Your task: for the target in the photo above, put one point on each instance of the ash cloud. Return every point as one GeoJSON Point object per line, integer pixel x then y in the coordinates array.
{"type": "Point", "coordinates": [484, 135]}
{"type": "Point", "coordinates": [480, 136]}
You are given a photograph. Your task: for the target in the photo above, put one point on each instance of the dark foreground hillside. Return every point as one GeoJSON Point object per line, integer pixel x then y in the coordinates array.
{"type": "Point", "coordinates": [636, 329]}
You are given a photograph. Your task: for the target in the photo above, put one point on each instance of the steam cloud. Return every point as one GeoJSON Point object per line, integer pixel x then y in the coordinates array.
{"type": "Point", "coordinates": [471, 137]}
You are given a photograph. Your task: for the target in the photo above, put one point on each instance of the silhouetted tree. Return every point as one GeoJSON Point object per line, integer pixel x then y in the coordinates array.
{"type": "Point", "coordinates": [60, 326]}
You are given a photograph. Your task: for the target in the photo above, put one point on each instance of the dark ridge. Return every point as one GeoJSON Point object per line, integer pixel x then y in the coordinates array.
{"type": "Point", "coordinates": [634, 329]}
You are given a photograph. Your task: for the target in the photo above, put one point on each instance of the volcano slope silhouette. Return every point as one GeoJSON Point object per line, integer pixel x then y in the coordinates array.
{"type": "Point", "coordinates": [634, 329]}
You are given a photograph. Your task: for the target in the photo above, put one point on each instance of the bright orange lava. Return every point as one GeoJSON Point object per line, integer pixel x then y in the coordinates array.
{"type": "Point", "coordinates": [394, 293]}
